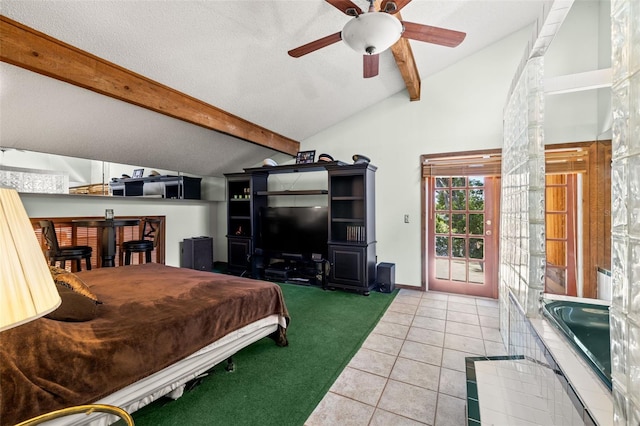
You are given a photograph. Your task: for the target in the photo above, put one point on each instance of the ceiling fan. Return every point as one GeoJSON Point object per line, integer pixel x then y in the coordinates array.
{"type": "Point", "coordinates": [373, 32]}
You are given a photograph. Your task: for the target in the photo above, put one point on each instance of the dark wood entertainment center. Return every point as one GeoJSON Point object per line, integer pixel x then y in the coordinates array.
{"type": "Point", "coordinates": [351, 244]}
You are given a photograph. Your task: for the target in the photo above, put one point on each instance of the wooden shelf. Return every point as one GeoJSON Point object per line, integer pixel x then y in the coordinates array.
{"type": "Point", "coordinates": [295, 192]}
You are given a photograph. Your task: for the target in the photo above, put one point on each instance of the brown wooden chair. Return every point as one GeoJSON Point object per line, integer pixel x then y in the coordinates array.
{"type": "Point", "coordinates": [147, 243]}
{"type": "Point", "coordinates": [57, 253]}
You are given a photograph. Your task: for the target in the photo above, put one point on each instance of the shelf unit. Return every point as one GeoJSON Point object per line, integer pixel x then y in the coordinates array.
{"type": "Point", "coordinates": [242, 218]}
{"type": "Point", "coordinates": [352, 242]}
{"type": "Point", "coordinates": [351, 204]}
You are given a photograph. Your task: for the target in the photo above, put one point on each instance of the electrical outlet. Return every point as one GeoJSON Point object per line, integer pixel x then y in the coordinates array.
{"type": "Point", "coordinates": [406, 218]}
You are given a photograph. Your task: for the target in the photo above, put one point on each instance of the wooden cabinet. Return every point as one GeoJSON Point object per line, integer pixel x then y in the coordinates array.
{"type": "Point", "coordinates": [242, 219]}
{"type": "Point", "coordinates": [352, 253]}
{"type": "Point", "coordinates": [351, 239]}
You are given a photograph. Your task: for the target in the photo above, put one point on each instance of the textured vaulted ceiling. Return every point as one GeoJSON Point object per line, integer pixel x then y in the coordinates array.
{"type": "Point", "coordinates": [230, 54]}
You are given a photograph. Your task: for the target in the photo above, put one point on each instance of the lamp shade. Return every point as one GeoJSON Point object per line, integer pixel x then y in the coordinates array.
{"type": "Point", "coordinates": [372, 32]}
{"type": "Point", "coordinates": [27, 290]}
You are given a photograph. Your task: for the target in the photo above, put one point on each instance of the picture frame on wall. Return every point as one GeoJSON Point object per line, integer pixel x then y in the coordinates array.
{"type": "Point", "coordinates": [305, 157]}
{"type": "Point", "coordinates": [137, 173]}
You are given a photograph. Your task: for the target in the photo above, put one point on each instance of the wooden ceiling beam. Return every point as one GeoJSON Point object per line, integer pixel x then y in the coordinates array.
{"type": "Point", "coordinates": [27, 48]}
{"type": "Point", "coordinates": [403, 55]}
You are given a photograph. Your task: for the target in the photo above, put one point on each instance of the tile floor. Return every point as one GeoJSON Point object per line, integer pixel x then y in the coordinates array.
{"type": "Point", "coordinates": [411, 368]}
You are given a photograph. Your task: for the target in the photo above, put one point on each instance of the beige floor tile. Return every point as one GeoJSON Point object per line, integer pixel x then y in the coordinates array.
{"type": "Point", "coordinates": [391, 329]}
{"type": "Point", "coordinates": [462, 299]}
{"type": "Point", "coordinates": [410, 293]}
{"type": "Point", "coordinates": [491, 322]}
{"type": "Point", "coordinates": [397, 318]}
{"type": "Point", "coordinates": [462, 307]}
{"type": "Point", "coordinates": [373, 362]}
{"type": "Point", "coordinates": [464, 344]}
{"type": "Point", "coordinates": [494, 348]}
{"type": "Point", "coordinates": [420, 352]}
{"type": "Point", "coordinates": [453, 383]}
{"type": "Point", "coordinates": [430, 323]}
{"type": "Point", "coordinates": [463, 317]}
{"type": "Point", "coordinates": [402, 308]}
{"type": "Point", "coordinates": [385, 418]}
{"type": "Point", "coordinates": [492, 334]}
{"type": "Point", "coordinates": [488, 312]}
{"type": "Point", "coordinates": [435, 295]}
{"type": "Point", "coordinates": [384, 344]}
{"type": "Point", "coordinates": [416, 373]}
{"type": "Point", "coordinates": [338, 410]}
{"type": "Point", "coordinates": [462, 329]}
{"type": "Point", "coordinates": [455, 360]}
{"type": "Point", "coordinates": [491, 303]}
{"type": "Point", "coordinates": [359, 385]}
{"type": "Point", "coordinates": [433, 303]}
{"type": "Point", "coordinates": [408, 299]}
{"type": "Point", "coordinates": [409, 401]}
{"type": "Point", "coordinates": [426, 311]}
{"type": "Point", "coordinates": [451, 411]}
{"type": "Point", "coordinates": [426, 336]}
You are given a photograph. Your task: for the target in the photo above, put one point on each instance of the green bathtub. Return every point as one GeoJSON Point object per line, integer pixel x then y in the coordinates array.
{"type": "Point", "coordinates": [586, 326]}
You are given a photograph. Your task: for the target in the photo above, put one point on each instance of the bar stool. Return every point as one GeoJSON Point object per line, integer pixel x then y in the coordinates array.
{"type": "Point", "coordinates": [147, 243]}
{"type": "Point", "coordinates": [57, 253]}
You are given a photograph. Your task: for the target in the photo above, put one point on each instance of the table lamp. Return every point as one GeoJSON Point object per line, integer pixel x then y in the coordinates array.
{"type": "Point", "coordinates": [27, 290]}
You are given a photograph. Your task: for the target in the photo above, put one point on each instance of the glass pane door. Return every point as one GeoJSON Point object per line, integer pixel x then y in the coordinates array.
{"type": "Point", "coordinates": [462, 248]}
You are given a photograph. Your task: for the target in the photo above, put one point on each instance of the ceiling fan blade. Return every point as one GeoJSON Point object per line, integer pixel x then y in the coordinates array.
{"type": "Point", "coordinates": [346, 6]}
{"type": "Point", "coordinates": [370, 65]}
{"type": "Point", "coordinates": [435, 35]}
{"type": "Point", "coordinates": [315, 45]}
{"type": "Point", "coordinates": [393, 6]}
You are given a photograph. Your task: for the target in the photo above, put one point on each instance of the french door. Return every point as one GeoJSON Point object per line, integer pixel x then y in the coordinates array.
{"type": "Point", "coordinates": [463, 234]}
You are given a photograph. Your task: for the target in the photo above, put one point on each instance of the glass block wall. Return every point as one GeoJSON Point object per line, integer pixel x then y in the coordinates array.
{"type": "Point", "coordinates": [522, 242]}
{"type": "Point", "coordinates": [625, 211]}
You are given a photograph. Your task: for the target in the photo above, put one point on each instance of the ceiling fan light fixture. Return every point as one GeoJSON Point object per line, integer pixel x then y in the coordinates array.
{"type": "Point", "coordinates": [372, 33]}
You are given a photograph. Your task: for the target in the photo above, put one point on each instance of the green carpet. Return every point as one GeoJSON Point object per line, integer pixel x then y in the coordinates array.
{"type": "Point", "coordinates": [274, 385]}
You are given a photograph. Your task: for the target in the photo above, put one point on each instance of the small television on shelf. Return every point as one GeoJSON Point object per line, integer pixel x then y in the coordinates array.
{"type": "Point", "coordinates": [294, 231]}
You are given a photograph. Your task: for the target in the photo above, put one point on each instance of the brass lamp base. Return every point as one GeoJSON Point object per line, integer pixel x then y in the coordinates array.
{"type": "Point", "coordinates": [87, 409]}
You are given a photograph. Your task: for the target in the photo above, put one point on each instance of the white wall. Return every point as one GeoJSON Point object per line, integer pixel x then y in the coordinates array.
{"type": "Point", "coordinates": [460, 109]}
{"type": "Point", "coordinates": [184, 218]}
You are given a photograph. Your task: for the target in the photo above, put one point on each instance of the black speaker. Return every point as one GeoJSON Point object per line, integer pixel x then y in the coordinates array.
{"type": "Point", "coordinates": [386, 277]}
{"type": "Point", "coordinates": [197, 253]}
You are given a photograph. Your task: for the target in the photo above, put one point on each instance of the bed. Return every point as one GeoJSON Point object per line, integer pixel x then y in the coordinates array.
{"type": "Point", "coordinates": [157, 328]}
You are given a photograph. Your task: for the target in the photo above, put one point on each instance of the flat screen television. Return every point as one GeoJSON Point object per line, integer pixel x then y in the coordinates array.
{"type": "Point", "coordinates": [294, 231]}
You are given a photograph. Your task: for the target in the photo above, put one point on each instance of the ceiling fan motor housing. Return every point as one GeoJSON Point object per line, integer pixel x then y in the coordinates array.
{"type": "Point", "coordinates": [372, 33]}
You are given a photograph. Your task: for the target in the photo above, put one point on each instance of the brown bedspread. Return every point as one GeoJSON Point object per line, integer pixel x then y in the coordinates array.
{"type": "Point", "coordinates": [152, 316]}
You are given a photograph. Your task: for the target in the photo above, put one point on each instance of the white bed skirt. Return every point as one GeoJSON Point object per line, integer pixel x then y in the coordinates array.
{"type": "Point", "coordinates": [171, 380]}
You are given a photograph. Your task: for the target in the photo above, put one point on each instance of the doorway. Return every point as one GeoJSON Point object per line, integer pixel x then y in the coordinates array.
{"type": "Point", "coordinates": [462, 237]}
